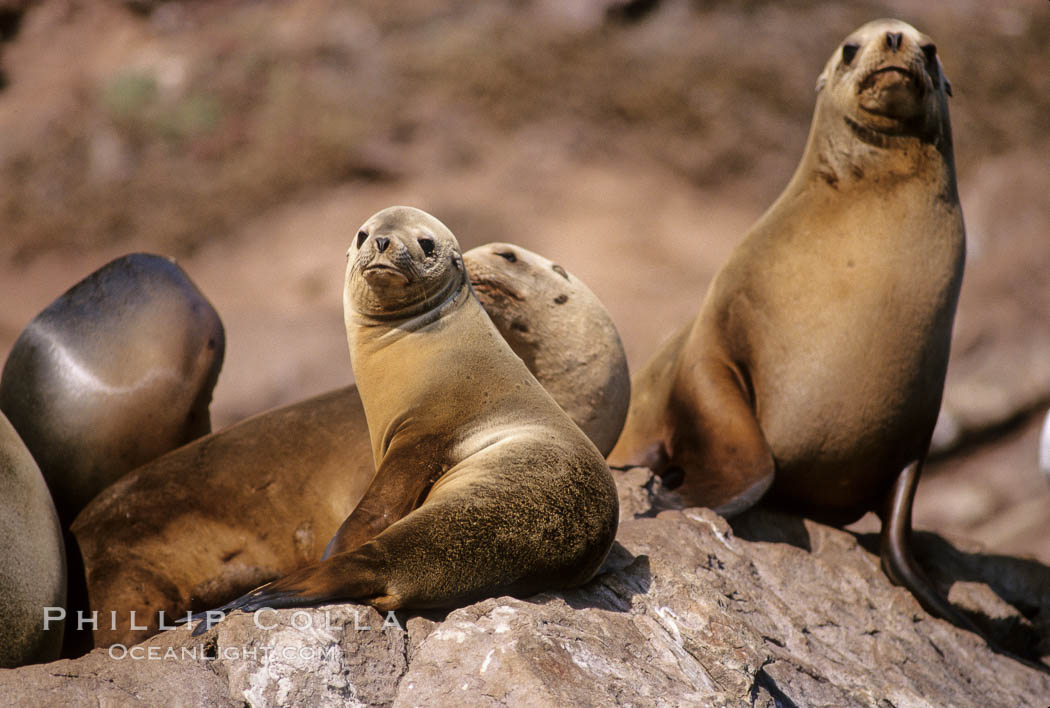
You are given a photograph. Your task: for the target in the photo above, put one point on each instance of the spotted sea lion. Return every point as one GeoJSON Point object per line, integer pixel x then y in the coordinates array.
{"type": "Point", "coordinates": [562, 332]}
{"type": "Point", "coordinates": [814, 370]}
{"type": "Point", "coordinates": [115, 372]}
{"type": "Point", "coordinates": [483, 484]}
{"type": "Point", "coordinates": [163, 538]}
{"type": "Point", "coordinates": [32, 559]}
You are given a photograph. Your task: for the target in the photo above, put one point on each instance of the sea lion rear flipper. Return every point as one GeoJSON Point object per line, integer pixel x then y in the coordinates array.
{"type": "Point", "coordinates": [895, 549]}
{"type": "Point", "coordinates": [346, 576]}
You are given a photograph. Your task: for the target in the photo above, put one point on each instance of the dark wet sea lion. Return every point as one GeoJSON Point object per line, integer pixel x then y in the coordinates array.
{"type": "Point", "coordinates": [114, 373]}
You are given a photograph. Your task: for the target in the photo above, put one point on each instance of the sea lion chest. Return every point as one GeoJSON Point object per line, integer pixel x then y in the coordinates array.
{"type": "Point", "coordinates": [843, 323]}
{"type": "Point", "coordinates": [426, 392]}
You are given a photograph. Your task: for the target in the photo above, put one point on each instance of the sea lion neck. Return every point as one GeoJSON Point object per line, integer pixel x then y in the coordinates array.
{"type": "Point", "coordinates": [416, 316]}
{"type": "Point", "coordinates": [842, 154]}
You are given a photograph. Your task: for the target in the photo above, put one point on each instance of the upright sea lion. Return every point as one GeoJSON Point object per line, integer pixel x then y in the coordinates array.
{"type": "Point", "coordinates": [164, 538]}
{"type": "Point", "coordinates": [32, 559]}
{"type": "Point", "coordinates": [561, 331]}
{"type": "Point", "coordinates": [115, 372]}
{"type": "Point", "coordinates": [815, 367]}
{"type": "Point", "coordinates": [483, 484]}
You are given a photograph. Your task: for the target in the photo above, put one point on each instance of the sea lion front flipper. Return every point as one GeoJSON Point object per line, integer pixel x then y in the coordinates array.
{"type": "Point", "coordinates": [717, 442]}
{"type": "Point", "coordinates": [395, 491]}
{"type": "Point", "coordinates": [895, 550]}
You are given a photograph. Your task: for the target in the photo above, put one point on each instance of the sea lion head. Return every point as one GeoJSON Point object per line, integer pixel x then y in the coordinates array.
{"type": "Point", "coordinates": [502, 273]}
{"type": "Point", "coordinates": [402, 262]}
{"type": "Point", "coordinates": [885, 79]}
{"type": "Point", "coordinates": [562, 332]}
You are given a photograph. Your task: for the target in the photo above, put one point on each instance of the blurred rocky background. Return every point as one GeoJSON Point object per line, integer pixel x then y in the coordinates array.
{"type": "Point", "coordinates": [633, 142]}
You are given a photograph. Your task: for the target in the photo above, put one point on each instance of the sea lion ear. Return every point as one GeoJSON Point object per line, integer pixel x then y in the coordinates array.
{"type": "Point", "coordinates": [821, 80]}
{"type": "Point", "coordinates": [944, 78]}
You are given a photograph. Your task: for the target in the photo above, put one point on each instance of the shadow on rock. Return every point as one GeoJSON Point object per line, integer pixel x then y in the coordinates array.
{"type": "Point", "coordinates": [1004, 595]}
{"type": "Point", "coordinates": [760, 525]}
{"type": "Point", "coordinates": [621, 577]}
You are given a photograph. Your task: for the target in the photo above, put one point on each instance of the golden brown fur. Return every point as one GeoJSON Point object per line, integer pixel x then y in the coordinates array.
{"type": "Point", "coordinates": [560, 329]}
{"type": "Point", "coordinates": [813, 373]}
{"type": "Point", "coordinates": [164, 538]}
{"type": "Point", "coordinates": [483, 485]}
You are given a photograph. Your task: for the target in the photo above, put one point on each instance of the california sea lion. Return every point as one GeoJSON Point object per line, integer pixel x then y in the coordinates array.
{"type": "Point", "coordinates": [165, 538]}
{"type": "Point", "coordinates": [32, 559]}
{"type": "Point", "coordinates": [815, 367]}
{"type": "Point", "coordinates": [115, 372]}
{"type": "Point", "coordinates": [560, 330]}
{"type": "Point", "coordinates": [483, 484]}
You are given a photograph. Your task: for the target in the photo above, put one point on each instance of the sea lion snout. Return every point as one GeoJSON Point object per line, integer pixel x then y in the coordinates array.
{"type": "Point", "coordinates": [887, 78]}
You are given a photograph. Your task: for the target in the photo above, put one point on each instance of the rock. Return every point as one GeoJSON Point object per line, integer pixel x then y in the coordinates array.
{"type": "Point", "coordinates": [687, 610]}
{"type": "Point", "coordinates": [641, 493]}
{"type": "Point", "coordinates": [99, 680]}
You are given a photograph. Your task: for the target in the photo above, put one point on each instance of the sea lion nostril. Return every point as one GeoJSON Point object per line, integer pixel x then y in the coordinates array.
{"type": "Point", "coordinates": [893, 40]}
{"type": "Point", "coordinates": [381, 243]}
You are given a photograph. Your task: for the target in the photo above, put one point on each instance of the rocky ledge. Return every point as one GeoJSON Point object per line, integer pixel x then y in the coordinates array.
{"type": "Point", "coordinates": [688, 610]}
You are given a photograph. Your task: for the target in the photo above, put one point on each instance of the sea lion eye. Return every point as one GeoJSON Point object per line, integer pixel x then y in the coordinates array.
{"type": "Point", "coordinates": [427, 244]}
{"type": "Point", "coordinates": [849, 50]}
{"type": "Point", "coordinates": [509, 256]}
{"type": "Point", "coordinates": [930, 50]}
{"type": "Point", "coordinates": [560, 271]}
{"type": "Point", "coordinates": [361, 236]}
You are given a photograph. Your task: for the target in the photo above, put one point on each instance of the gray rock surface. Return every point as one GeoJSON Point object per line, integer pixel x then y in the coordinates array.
{"type": "Point", "coordinates": [688, 610]}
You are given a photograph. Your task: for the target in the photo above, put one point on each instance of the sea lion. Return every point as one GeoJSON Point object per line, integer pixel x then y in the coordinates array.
{"type": "Point", "coordinates": [483, 484]}
{"type": "Point", "coordinates": [223, 514]}
{"type": "Point", "coordinates": [163, 537]}
{"type": "Point", "coordinates": [32, 560]}
{"type": "Point", "coordinates": [560, 330]}
{"type": "Point", "coordinates": [814, 370]}
{"type": "Point", "coordinates": [115, 372]}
